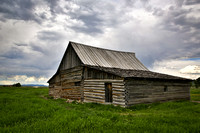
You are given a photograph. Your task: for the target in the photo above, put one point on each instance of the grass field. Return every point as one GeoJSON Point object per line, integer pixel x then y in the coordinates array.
{"type": "Point", "coordinates": [195, 94]}
{"type": "Point", "coordinates": [31, 110]}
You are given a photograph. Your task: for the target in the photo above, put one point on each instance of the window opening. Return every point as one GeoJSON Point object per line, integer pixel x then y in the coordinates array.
{"type": "Point", "coordinates": [78, 83]}
{"type": "Point", "coordinates": [165, 88]}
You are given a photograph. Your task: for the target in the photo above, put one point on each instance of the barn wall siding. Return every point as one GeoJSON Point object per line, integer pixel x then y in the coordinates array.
{"type": "Point", "coordinates": [71, 82]}
{"type": "Point", "coordinates": [147, 91]}
{"type": "Point", "coordinates": [55, 87]}
{"type": "Point", "coordinates": [70, 59]}
{"type": "Point", "coordinates": [55, 91]}
{"type": "Point", "coordinates": [69, 86]}
{"type": "Point", "coordinates": [90, 73]}
{"type": "Point", "coordinates": [94, 91]}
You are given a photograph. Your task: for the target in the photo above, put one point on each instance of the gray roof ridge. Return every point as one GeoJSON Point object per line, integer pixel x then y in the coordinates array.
{"type": "Point", "coordinates": [76, 43]}
{"type": "Point", "coordinates": [114, 68]}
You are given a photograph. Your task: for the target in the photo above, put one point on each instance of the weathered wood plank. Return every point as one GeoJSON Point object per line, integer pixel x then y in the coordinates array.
{"type": "Point", "coordinates": [72, 88]}
{"type": "Point", "coordinates": [118, 92]}
{"type": "Point", "coordinates": [94, 83]}
{"type": "Point", "coordinates": [71, 78]}
{"type": "Point", "coordinates": [95, 94]}
{"type": "Point", "coordinates": [71, 70]}
{"type": "Point", "coordinates": [87, 85]}
{"type": "Point", "coordinates": [118, 84]}
{"type": "Point", "coordinates": [154, 83]}
{"type": "Point", "coordinates": [94, 91]}
{"type": "Point", "coordinates": [118, 97]}
{"type": "Point", "coordinates": [95, 88]}
{"type": "Point", "coordinates": [94, 100]}
{"type": "Point", "coordinates": [138, 91]}
{"type": "Point", "coordinates": [94, 97]}
{"type": "Point", "coordinates": [103, 80]}
{"type": "Point", "coordinates": [118, 103]}
{"type": "Point", "coordinates": [118, 89]}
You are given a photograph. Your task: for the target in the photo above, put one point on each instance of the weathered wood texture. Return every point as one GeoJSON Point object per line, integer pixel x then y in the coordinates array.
{"type": "Point", "coordinates": [70, 59]}
{"type": "Point", "coordinates": [55, 86]}
{"type": "Point", "coordinates": [90, 73]}
{"type": "Point", "coordinates": [55, 79]}
{"type": "Point", "coordinates": [94, 56]}
{"type": "Point", "coordinates": [70, 86]}
{"type": "Point", "coordinates": [149, 91]}
{"type": "Point", "coordinates": [55, 91]}
{"type": "Point", "coordinates": [94, 91]}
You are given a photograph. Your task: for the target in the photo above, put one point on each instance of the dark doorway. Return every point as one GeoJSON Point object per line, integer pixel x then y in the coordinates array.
{"type": "Point", "coordinates": [108, 92]}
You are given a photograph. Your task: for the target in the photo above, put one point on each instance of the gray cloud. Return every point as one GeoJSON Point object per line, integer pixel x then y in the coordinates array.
{"type": "Point", "coordinates": [14, 53]}
{"type": "Point", "coordinates": [91, 21]}
{"type": "Point", "coordinates": [26, 10]}
{"type": "Point", "coordinates": [154, 31]}
{"type": "Point", "coordinates": [192, 2]}
{"type": "Point", "coordinates": [18, 9]}
{"type": "Point", "coordinates": [158, 12]}
{"type": "Point", "coordinates": [184, 28]}
{"type": "Point", "coordinates": [49, 35]}
{"type": "Point", "coordinates": [21, 44]}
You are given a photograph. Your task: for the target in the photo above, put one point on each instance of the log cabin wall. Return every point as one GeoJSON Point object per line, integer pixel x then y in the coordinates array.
{"type": "Point", "coordinates": [67, 82]}
{"type": "Point", "coordinates": [55, 87]}
{"type": "Point", "coordinates": [149, 91]}
{"type": "Point", "coordinates": [94, 87]}
{"type": "Point", "coordinates": [94, 91]}
{"type": "Point", "coordinates": [91, 73]}
{"type": "Point", "coordinates": [71, 82]}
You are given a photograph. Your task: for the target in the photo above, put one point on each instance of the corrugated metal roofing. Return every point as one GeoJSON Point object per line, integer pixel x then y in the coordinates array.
{"type": "Point", "coordinates": [93, 56]}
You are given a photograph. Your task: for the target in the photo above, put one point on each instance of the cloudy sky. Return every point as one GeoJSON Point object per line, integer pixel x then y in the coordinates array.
{"type": "Point", "coordinates": [165, 35]}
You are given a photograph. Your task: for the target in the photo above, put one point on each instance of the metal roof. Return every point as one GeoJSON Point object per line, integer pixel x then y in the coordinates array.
{"type": "Point", "coordinates": [100, 57]}
{"type": "Point", "coordinates": [138, 74]}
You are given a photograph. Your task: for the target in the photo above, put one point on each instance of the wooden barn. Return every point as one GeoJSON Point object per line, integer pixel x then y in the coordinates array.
{"type": "Point", "coordinates": [92, 74]}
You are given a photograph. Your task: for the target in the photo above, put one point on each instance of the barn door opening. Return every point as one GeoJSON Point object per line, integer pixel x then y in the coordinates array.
{"type": "Point", "coordinates": [108, 92]}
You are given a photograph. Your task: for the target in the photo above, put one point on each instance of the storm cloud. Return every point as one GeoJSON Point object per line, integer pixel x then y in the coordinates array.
{"type": "Point", "coordinates": [35, 34]}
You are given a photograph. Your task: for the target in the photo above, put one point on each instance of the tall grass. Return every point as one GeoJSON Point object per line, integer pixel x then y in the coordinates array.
{"type": "Point", "coordinates": [31, 110]}
{"type": "Point", "coordinates": [195, 94]}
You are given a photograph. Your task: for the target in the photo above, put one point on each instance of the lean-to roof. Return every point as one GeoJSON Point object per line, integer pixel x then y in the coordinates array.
{"type": "Point", "coordinates": [138, 74]}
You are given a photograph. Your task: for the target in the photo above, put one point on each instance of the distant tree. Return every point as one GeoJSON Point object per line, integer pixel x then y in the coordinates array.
{"type": "Point", "coordinates": [197, 82]}
{"type": "Point", "coordinates": [17, 85]}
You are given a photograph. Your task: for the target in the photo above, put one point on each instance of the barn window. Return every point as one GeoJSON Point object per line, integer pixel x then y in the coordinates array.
{"type": "Point", "coordinates": [108, 92]}
{"type": "Point", "coordinates": [78, 83]}
{"type": "Point", "coordinates": [165, 88]}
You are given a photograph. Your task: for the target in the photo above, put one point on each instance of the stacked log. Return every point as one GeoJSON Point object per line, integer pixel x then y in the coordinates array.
{"type": "Point", "coordinates": [71, 82]}
{"type": "Point", "coordinates": [144, 91]}
{"type": "Point", "coordinates": [94, 91]}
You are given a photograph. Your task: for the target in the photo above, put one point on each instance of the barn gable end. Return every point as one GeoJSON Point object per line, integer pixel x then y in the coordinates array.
{"type": "Point", "coordinates": [67, 81]}
{"type": "Point", "coordinates": [99, 75]}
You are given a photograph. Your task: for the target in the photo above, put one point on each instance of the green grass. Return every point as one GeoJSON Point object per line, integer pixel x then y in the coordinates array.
{"type": "Point", "coordinates": [195, 94]}
{"type": "Point", "coordinates": [31, 110]}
